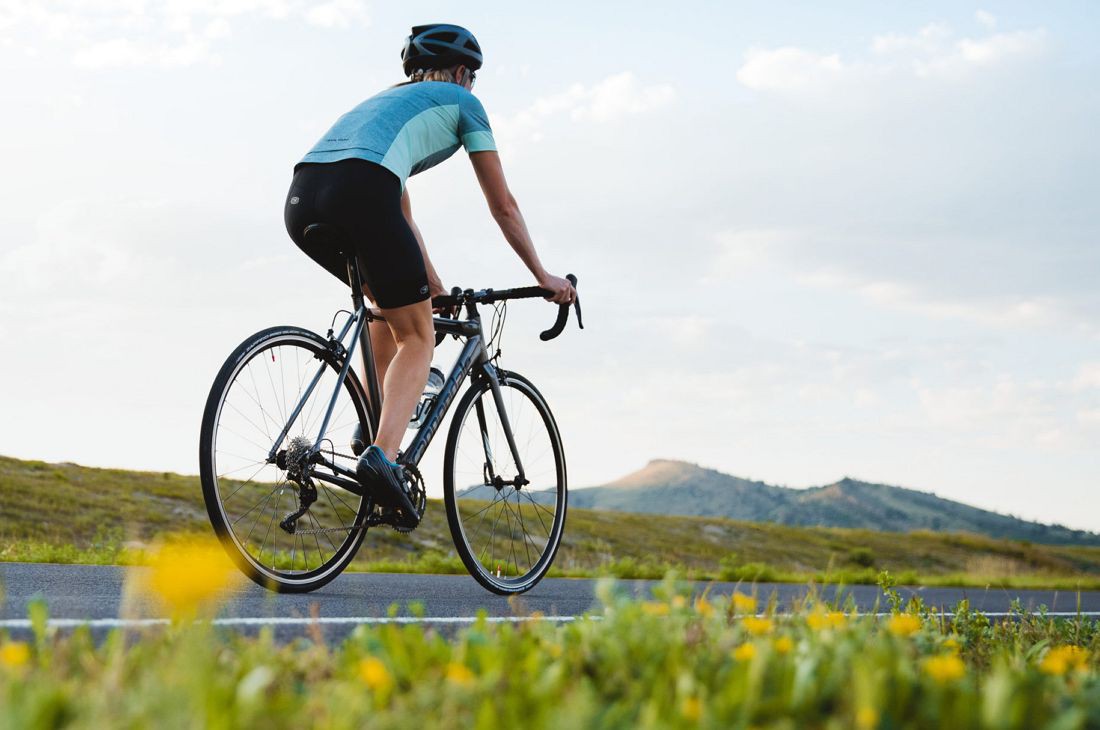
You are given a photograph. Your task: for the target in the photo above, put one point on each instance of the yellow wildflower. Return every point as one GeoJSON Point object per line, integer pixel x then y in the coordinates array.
{"type": "Point", "coordinates": [757, 626]}
{"type": "Point", "coordinates": [15, 654]}
{"type": "Point", "coordinates": [866, 718]}
{"type": "Point", "coordinates": [654, 608]}
{"type": "Point", "coordinates": [691, 709]}
{"type": "Point", "coordinates": [375, 675]}
{"type": "Point", "coordinates": [819, 620]}
{"type": "Point", "coordinates": [744, 653]}
{"type": "Point", "coordinates": [679, 601]}
{"type": "Point", "coordinates": [944, 668]}
{"type": "Point", "coordinates": [743, 603]}
{"type": "Point", "coordinates": [951, 644]}
{"type": "Point", "coordinates": [783, 645]}
{"type": "Point", "coordinates": [1061, 659]}
{"type": "Point", "coordinates": [903, 624]}
{"type": "Point", "coordinates": [459, 674]}
{"type": "Point", "coordinates": [703, 607]}
{"type": "Point", "coordinates": [188, 575]}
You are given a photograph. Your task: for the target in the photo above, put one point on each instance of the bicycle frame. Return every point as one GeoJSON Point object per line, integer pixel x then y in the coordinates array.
{"type": "Point", "coordinates": [473, 357]}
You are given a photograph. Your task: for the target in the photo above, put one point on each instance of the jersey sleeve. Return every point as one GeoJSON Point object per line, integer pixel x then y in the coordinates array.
{"type": "Point", "coordinates": [473, 126]}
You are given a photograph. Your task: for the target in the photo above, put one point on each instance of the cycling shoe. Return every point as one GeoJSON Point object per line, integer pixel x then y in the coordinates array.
{"type": "Point", "coordinates": [385, 481]}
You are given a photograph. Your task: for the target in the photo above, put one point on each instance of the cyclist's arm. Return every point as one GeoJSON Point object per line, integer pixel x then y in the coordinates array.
{"type": "Point", "coordinates": [435, 284]}
{"type": "Point", "coordinates": [506, 212]}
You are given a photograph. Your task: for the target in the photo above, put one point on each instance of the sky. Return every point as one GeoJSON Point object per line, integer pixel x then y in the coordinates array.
{"type": "Point", "coordinates": [812, 242]}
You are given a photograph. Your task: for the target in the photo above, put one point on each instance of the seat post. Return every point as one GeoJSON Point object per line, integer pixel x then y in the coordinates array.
{"type": "Point", "coordinates": [365, 344]}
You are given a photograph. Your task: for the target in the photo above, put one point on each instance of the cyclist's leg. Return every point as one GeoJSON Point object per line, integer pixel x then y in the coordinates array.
{"type": "Point", "coordinates": [384, 347]}
{"type": "Point", "coordinates": [393, 268]}
{"type": "Point", "coordinates": [414, 337]}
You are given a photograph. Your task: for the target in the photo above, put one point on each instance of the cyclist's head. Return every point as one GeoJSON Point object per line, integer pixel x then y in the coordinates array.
{"type": "Point", "coordinates": [435, 52]}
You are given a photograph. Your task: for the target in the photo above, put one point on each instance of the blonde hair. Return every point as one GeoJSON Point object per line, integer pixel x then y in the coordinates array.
{"type": "Point", "coordinates": [434, 74]}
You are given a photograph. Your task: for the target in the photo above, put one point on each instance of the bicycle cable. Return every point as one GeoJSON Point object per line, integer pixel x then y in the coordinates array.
{"type": "Point", "coordinates": [332, 324]}
{"type": "Point", "coordinates": [496, 327]}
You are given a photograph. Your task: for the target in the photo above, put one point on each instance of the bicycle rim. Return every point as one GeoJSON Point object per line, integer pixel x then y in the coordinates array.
{"type": "Point", "coordinates": [506, 536]}
{"type": "Point", "coordinates": [246, 495]}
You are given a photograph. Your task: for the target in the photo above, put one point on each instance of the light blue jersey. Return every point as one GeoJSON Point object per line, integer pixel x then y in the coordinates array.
{"type": "Point", "coordinates": [408, 128]}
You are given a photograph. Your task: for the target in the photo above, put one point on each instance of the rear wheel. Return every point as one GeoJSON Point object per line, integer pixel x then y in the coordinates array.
{"type": "Point", "coordinates": [247, 495]}
{"type": "Point", "coordinates": [505, 531]}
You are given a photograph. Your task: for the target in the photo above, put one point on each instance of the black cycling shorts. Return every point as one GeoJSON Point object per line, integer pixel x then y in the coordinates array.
{"type": "Point", "coordinates": [363, 200]}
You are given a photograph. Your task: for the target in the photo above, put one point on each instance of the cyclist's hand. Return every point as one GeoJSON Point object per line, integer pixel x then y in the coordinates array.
{"type": "Point", "coordinates": [435, 289]}
{"type": "Point", "coordinates": [563, 291]}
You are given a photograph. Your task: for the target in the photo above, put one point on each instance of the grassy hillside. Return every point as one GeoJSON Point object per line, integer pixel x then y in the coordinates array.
{"type": "Point", "coordinates": [665, 486]}
{"type": "Point", "coordinates": [65, 512]}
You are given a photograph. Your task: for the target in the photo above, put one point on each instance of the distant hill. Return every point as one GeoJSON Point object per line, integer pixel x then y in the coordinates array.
{"type": "Point", "coordinates": [675, 487]}
{"type": "Point", "coordinates": [67, 513]}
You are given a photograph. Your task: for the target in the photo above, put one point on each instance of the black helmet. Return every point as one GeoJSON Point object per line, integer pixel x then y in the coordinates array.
{"type": "Point", "coordinates": [440, 45]}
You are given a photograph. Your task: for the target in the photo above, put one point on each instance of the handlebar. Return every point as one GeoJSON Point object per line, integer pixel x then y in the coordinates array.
{"type": "Point", "coordinates": [458, 297]}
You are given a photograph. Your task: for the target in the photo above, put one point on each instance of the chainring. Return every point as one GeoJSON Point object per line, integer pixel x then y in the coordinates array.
{"type": "Point", "coordinates": [417, 496]}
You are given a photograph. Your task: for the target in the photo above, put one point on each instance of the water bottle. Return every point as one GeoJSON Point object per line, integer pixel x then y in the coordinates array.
{"type": "Point", "coordinates": [431, 390]}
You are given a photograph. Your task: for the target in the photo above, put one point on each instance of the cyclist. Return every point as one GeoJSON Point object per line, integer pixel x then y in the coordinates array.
{"type": "Point", "coordinates": [354, 179]}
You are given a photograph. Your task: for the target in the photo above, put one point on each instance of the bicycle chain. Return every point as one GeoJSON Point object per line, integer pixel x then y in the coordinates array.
{"type": "Point", "coordinates": [418, 496]}
{"type": "Point", "coordinates": [321, 530]}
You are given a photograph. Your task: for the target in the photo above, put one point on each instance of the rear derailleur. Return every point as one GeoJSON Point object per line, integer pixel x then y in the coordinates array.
{"type": "Point", "coordinates": [296, 459]}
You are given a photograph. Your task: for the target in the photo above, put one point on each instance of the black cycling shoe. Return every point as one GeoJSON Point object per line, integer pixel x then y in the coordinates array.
{"type": "Point", "coordinates": [358, 445]}
{"type": "Point", "coordinates": [385, 481]}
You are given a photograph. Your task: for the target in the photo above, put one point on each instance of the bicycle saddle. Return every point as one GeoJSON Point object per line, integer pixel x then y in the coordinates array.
{"type": "Point", "coordinates": [325, 234]}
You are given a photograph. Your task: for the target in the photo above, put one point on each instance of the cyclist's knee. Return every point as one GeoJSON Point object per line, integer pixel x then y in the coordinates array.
{"type": "Point", "coordinates": [412, 324]}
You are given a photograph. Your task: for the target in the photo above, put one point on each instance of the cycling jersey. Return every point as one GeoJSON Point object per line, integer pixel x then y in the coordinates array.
{"type": "Point", "coordinates": [408, 129]}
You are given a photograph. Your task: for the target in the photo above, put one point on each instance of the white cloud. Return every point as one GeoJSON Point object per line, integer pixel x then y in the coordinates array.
{"type": "Point", "coordinates": [929, 39]}
{"type": "Point", "coordinates": [741, 250]}
{"type": "Point", "coordinates": [932, 51]}
{"type": "Point", "coordinates": [788, 68]}
{"type": "Point", "coordinates": [986, 18]}
{"type": "Point", "coordinates": [1088, 377]}
{"type": "Point", "coordinates": [1002, 312]}
{"type": "Point", "coordinates": [115, 53]}
{"type": "Point", "coordinates": [608, 100]}
{"type": "Point", "coordinates": [337, 14]}
{"type": "Point", "coordinates": [74, 249]}
{"type": "Point", "coordinates": [217, 28]}
{"type": "Point", "coordinates": [106, 34]}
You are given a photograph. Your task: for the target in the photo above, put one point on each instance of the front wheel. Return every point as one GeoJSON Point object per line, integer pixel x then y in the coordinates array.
{"type": "Point", "coordinates": [506, 529]}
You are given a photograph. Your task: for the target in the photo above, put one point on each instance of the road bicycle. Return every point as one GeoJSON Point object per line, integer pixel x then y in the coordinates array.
{"type": "Point", "coordinates": [282, 494]}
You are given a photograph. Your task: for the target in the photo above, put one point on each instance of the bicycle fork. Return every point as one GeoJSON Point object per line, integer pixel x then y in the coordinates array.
{"type": "Point", "coordinates": [491, 477]}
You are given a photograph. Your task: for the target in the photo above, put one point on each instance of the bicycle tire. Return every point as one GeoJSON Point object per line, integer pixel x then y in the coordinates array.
{"type": "Point", "coordinates": [335, 513]}
{"type": "Point", "coordinates": [532, 422]}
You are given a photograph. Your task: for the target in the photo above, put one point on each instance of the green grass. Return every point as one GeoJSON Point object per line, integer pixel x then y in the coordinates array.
{"type": "Point", "coordinates": [74, 514]}
{"type": "Point", "coordinates": [665, 663]}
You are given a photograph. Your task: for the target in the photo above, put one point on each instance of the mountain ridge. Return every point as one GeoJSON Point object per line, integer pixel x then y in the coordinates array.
{"type": "Point", "coordinates": [670, 486]}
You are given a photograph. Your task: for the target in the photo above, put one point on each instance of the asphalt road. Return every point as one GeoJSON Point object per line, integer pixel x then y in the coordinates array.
{"type": "Point", "coordinates": [96, 594]}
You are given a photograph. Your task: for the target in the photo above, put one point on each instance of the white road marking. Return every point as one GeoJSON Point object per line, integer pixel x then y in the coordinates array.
{"type": "Point", "coordinates": [131, 623]}
{"type": "Point", "coordinates": [121, 623]}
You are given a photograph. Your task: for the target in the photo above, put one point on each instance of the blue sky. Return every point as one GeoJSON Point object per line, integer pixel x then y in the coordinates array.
{"type": "Point", "coordinates": [813, 242]}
